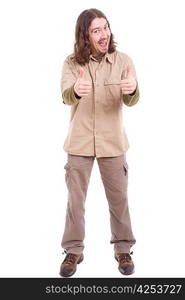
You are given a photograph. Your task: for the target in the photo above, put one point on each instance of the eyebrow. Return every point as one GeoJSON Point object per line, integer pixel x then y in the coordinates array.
{"type": "Point", "coordinates": [98, 27]}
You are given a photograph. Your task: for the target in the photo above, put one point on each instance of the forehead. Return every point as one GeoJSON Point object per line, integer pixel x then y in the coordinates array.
{"type": "Point", "coordinates": [97, 22]}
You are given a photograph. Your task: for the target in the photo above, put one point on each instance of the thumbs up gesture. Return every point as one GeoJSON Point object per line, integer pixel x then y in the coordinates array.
{"type": "Point", "coordinates": [129, 83]}
{"type": "Point", "coordinates": [82, 87]}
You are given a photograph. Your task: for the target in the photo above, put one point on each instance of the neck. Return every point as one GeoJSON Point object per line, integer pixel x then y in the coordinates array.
{"type": "Point", "coordinates": [100, 54]}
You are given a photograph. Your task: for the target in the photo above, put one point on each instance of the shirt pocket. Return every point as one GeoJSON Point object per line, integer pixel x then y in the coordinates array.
{"type": "Point", "coordinates": [112, 90]}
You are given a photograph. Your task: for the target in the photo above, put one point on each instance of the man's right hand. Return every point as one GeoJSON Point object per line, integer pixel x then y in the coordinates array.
{"type": "Point", "coordinates": [82, 87]}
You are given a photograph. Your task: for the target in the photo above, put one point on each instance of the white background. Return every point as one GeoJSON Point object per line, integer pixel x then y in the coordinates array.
{"type": "Point", "coordinates": [36, 36]}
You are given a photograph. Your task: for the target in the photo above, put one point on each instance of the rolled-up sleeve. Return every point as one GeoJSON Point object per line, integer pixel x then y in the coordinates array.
{"type": "Point", "coordinates": [132, 99]}
{"type": "Point", "coordinates": [69, 96]}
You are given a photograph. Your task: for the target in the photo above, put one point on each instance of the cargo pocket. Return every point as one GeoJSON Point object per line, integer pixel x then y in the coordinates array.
{"type": "Point", "coordinates": [67, 167]}
{"type": "Point", "coordinates": [125, 168]}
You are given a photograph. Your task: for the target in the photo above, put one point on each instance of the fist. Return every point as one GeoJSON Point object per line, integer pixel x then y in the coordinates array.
{"type": "Point", "coordinates": [129, 83]}
{"type": "Point", "coordinates": [82, 87]}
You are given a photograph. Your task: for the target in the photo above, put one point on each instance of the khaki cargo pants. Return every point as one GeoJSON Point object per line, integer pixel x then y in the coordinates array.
{"type": "Point", "coordinates": [114, 174]}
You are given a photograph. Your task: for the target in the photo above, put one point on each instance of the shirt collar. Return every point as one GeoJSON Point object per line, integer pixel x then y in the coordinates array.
{"type": "Point", "coordinates": [108, 57]}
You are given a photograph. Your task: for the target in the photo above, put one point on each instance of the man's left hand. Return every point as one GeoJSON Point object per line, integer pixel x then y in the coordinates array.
{"type": "Point", "coordinates": [129, 84]}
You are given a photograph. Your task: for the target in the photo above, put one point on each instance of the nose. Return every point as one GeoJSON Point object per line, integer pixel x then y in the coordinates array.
{"type": "Point", "coordinates": [103, 34]}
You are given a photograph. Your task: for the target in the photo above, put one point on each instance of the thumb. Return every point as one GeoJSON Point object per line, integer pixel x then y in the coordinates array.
{"type": "Point", "coordinates": [129, 71]}
{"type": "Point", "coordinates": [81, 73]}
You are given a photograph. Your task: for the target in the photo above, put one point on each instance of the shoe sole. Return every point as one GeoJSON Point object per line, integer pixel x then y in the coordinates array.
{"type": "Point", "coordinates": [126, 272]}
{"type": "Point", "coordinates": [69, 275]}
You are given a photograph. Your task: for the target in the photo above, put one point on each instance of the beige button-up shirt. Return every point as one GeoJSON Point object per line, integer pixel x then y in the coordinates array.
{"type": "Point", "coordinates": [96, 127]}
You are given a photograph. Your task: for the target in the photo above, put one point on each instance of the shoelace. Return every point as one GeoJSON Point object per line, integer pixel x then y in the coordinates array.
{"type": "Point", "coordinates": [70, 258]}
{"type": "Point", "coordinates": [125, 257]}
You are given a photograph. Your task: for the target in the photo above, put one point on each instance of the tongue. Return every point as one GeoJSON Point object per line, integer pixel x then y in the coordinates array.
{"type": "Point", "coordinates": [103, 44]}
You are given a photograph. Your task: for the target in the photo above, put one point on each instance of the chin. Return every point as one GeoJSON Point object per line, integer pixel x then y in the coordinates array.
{"type": "Point", "coordinates": [103, 51]}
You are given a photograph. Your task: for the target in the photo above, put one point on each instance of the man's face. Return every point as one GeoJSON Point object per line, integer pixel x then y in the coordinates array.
{"type": "Point", "coordinates": [99, 36]}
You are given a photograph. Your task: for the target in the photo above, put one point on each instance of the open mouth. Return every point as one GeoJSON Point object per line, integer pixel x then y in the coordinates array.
{"type": "Point", "coordinates": [103, 44]}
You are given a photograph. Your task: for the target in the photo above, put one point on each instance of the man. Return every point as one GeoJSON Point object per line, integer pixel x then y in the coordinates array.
{"type": "Point", "coordinates": [96, 81]}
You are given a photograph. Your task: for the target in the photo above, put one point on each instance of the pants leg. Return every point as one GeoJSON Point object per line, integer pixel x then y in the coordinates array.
{"type": "Point", "coordinates": [114, 174]}
{"type": "Point", "coordinates": [78, 171]}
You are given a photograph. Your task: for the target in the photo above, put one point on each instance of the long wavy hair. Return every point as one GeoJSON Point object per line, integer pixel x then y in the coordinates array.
{"type": "Point", "coordinates": [82, 46]}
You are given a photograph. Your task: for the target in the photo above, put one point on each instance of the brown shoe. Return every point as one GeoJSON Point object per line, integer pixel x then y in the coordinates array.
{"type": "Point", "coordinates": [126, 265]}
{"type": "Point", "coordinates": [68, 266]}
